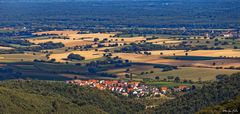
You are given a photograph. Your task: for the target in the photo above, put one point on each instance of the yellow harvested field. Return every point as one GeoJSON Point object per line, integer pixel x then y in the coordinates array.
{"type": "Point", "coordinates": [158, 40]}
{"type": "Point", "coordinates": [132, 39]}
{"type": "Point", "coordinates": [87, 54]}
{"type": "Point", "coordinates": [164, 41]}
{"type": "Point", "coordinates": [168, 52]}
{"type": "Point", "coordinates": [208, 53]}
{"type": "Point", "coordinates": [216, 53]}
{"type": "Point", "coordinates": [91, 35]}
{"type": "Point", "coordinates": [123, 40]}
{"type": "Point", "coordinates": [169, 42]}
{"type": "Point", "coordinates": [66, 42]}
{"type": "Point", "coordinates": [103, 48]}
{"type": "Point", "coordinates": [21, 57]}
{"type": "Point", "coordinates": [5, 48]}
{"type": "Point", "coordinates": [156, 59]}
{"type": "Point", "coordinates": [74, 34]}
{"type": "Point", "coordinates": [83, 39]}
{"type": "Point", "coordinates": [61, 33]}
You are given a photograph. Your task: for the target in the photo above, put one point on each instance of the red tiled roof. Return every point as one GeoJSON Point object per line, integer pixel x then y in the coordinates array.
{"type": "Point", "coordinates": [164, 88]}
{"type": "Point", "coordinates": [182, 87]}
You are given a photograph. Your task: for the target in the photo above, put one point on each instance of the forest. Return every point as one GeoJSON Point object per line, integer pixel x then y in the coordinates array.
{"type": "Point", "coordinates": [121, 14]}
{"type": "Point", "coordinates": [54, 96]}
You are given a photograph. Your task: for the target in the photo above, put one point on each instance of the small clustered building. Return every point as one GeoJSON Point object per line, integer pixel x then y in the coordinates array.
{"type": "Point", "coordinates": [125, 88]}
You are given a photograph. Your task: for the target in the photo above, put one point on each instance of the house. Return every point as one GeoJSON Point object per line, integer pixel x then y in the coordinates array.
{"type": "Point", "coordinates": [125, 94]}
{"type": "Point", "coordinates": [164, 89]}
{"type": "Point", "coordinates": [183, 87]}
{"type": "Point", "coordinates": [228, 34]}
{"type": "Point", "coordinates": [135, 93]}
{"type": "Point", "coordinates": [127, 88]}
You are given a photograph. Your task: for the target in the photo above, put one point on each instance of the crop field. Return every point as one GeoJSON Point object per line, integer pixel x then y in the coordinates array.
{"type": "Point", "coordinates": [164, 41]}
{"type": "Point", "coordinates": [83, 39]}
{"type": "Point", "coordinates": [157, 59]}
{"type": "Point", "coordinates": [168, 84]}
{"type": "Point", "coordinates": [91, 35]}
{"type": "Point", "coordinates": [21, 57]}
{"type": "Point", "coordinates": [5, 48]}
{"type": "Point", "coordinates": [204, 62]}
{"type": "Point", "coordinates": [191, 73]}
{"type": "Point", "coordinates": [207, 53]}
{"type": "Point", "coordinates": [66, 42]}
{"type": "Point", "coordinates": [74, 34]}
{"type": "Point", "coordinates": [134, 69]}
{"type": "Point", "coordinates": [185, 73]}
{"type": "Point", "coordinates": [61, 33]}
{"type": "Point", "coordinates": [87, 54]}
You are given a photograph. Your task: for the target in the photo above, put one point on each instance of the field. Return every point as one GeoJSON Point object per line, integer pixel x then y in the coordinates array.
{"type": "Point", "coordinates": [63, 33]}
{"type": "Point", "coordinates": [21, 57]}
{"type": "Point", "coordinates": [66, 42]}
{"type": "Point", "coordinates": [168, 58]}
{"type": "Point", "coordinates": [87, 54]}
{"type": "Point", "coordinates": [5, 48]}
{"type": "Point", "coordinates": [208, 53]}
{"type": "Point", "coordinates": [204, 62]}
{"type": "Point", "coordinates": [194, 74]}
{"type": "Point", "coordinates": [47, 71]}
{"type": "Point", "coordinates": [164, 41]}
{"type": "Point", "coordinates": [75, 35]}
{"type": "Point", "coordinates": [185, 73]}
{"type": "Point", "coordinates": [75, 39]}
{"type": "Point", "coordinates": [168, 84]}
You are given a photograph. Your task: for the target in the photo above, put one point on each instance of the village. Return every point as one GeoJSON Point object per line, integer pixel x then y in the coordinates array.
{"type": "Point", "coordinates": [131, 88]}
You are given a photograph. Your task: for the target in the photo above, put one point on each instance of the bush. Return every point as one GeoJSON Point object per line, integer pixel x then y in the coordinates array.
{"type": "Point", "coordinates": [75, 57]}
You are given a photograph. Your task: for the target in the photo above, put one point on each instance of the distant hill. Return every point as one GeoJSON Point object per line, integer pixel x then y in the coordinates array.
{"type": "Point", "coordinates": [43, 97]}
{"type": "Point", "coordinates": [53, 0]}
{"type": "Point", "coordinates": [66, 14]}
{"type": "Point", "coordinates": [37, 0]}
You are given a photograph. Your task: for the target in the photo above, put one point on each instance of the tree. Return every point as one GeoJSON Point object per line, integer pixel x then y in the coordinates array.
{"type": "Point", "coordinates": [213, 63]}
{"type": "Point", "coordinates": [96, 39]}
{"type": "Point", "coordinates": [127, 75]}
{"type": "Point", "coordinates": [106, 50]}
{"type": "Point", "coordinates": [157, 78]}
{"type": "Point", "coordinates": [73, 56]}
{"type": "Point", "coordinates": [221, 77]}
{"type": "Point", "coordinates": [170, 78]}
{"type": "Point", "coordinates": [177, 79]}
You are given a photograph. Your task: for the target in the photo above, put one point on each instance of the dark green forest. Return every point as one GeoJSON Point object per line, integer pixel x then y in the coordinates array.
{"type": "Point", "coordinates": [211, 94]}
{"type": "Point", "coordinates": [57, 97]}
{"type": "Point", "coordinates": [111, 14]}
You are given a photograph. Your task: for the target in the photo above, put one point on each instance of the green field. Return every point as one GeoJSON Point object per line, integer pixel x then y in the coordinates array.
{"type": "Point", "coordinates": [185, 73]}
{"type": "Point", "coordinates": [192, 58]}
{"type": "Point", "coordinates": [6, 31]}
{"type": "Point", "coordinates": [168, 84]}
{"type": "Point", "coordinates": [194, 74]}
